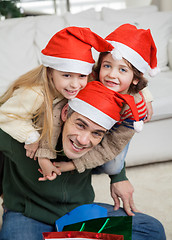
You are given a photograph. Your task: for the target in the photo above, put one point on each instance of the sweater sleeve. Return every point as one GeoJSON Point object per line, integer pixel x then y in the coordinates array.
{"type": "Point", "coordinates": [44, 150]}
{"type": "Point", "coordinates": [111, 145]}
{"type": "Point", "coordinates": [17, 112]}
{"type": "Point", "coordinates": [127, 117]}
{"type": "Point", "coordinates": [119, 177]}
{"type": "Point", "coordinates": [147, 94]}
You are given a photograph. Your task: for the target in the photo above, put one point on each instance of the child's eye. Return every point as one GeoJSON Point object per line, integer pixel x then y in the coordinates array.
{"type": "Point", "coordinates": [123, 70]}
{"type": "Point", "coordinates": [67, 75]}
{"type": "Point", "coordinates": [106, 66]}
{"type": "Point", "coordinates": [83, 76]}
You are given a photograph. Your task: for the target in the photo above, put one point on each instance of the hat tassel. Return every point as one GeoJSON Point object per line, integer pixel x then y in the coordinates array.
{"type": "Point", "coordinates": [138, 126]}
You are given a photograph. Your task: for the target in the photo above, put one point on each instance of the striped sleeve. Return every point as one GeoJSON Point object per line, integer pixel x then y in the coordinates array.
{"type": "Point", "coordinates": [127, 117]}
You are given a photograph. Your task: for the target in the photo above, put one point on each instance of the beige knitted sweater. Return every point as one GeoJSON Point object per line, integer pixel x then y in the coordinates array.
{"type": "Point", "coordinates": [111, 145]}
{"type": "Point", "coordinates": [17, 112]}
{"type": "Point", "coordinates": [44, 151]}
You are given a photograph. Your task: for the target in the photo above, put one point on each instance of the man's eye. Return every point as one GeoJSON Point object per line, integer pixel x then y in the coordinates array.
{"type": "Point", "coordinates": [98, 134]}
{"type": "Point", "coordinates": [80, 125]}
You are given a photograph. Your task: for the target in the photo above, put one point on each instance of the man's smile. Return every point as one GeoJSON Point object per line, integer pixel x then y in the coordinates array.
{"type": "Point", "coordinates": [77, 147]}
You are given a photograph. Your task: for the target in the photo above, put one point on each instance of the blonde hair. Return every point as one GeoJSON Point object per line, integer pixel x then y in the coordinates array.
{"type": "Point", "coordinates": [39, 76]}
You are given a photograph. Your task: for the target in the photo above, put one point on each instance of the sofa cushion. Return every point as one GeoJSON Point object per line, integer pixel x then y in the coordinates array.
{"type": "Point", "coordinates": [160, 24]}
{"type": "Point", "coordinates": [46, 27]}
{"type": "Point", "coordinates": [126, 15]}
{"type": "Point", "coordinates": [98, 26]}
{"type": "Point", "coordinates": [17, 49]}
{"type": "Point", "coordinates": [90, 13]}
{"type": "Point", "coordinates": [161, 89]}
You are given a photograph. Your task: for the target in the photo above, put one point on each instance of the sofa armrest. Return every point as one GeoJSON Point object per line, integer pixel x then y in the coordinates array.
{"type": "Point", "coordinates": [170, 52]}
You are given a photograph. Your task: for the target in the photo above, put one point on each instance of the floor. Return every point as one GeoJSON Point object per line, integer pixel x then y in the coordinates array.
{"type": "Point", "coordinates": [153, 191]}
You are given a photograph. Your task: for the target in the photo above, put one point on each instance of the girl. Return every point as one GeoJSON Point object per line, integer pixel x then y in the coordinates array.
{"type": "Point", "coordinates": [26, 108]}
{"type": "Point", "coordinates": [122, 71]}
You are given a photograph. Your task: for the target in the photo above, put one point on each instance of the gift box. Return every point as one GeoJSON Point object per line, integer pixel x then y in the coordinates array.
{"type": "Point", "coordinates": [112, 225]}
{"type": "Point", "coordinates": [93, 218]}
{"type": "Point", "coordinates": [75, 235]}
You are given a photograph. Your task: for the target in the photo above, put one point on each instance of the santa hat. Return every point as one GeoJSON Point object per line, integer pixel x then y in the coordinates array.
{"type": "Point", "coordinates": [103, 106]}
{"type": "Point", "coordinates": [136, 46]}
{"type": "Point", "coordinates": [69, 50]}
{"type": "Point", "coordinates": [78, 235]}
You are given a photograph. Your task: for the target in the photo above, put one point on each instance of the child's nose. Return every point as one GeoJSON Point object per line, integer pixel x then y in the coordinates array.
{"type": "Point", "coordinates": [113, 73]}
{"type": "Point", "coordinates": [74, 83]}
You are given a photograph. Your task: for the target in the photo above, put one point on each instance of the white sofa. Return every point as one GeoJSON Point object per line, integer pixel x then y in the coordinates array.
{"type": "Point", "coordinates": [21, 41]}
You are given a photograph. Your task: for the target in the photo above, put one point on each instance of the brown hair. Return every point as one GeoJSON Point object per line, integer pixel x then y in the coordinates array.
{"type": "Point", "coordinates": [142, 82]}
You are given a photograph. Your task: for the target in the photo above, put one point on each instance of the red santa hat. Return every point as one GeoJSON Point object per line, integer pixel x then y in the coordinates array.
{"type": "Point", "coordinates": [136, 46]}
{"type": "Point", "coordinates": [103, 106]}
{"type": "Point", "coordinates": [78, 235]}
{"type": "Point", "coordinates": [69, 50]}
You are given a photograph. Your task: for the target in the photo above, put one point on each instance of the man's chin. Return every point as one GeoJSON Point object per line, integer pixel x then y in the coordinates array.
{"type": "Point", "coordinates": [74, 155]}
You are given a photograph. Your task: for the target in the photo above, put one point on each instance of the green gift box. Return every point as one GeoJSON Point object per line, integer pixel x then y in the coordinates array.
{"type": "Point", "coordinates": [111, 225]}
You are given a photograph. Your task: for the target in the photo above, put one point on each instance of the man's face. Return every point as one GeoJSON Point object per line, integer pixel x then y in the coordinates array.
{"type": "Point", "coordinates": [80, 135]}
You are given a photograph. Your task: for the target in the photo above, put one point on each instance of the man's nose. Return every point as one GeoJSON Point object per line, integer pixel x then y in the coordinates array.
{"type": "Point", "coordinates": [84, 139]}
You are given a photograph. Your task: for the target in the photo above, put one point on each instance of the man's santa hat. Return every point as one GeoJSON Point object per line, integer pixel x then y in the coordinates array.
{"type": "Point", "coordinates": [69, 50]}
{"type": "Point", "coordinates": [136, 46]}
{"type": "Point", "coordinates": [103, 106]}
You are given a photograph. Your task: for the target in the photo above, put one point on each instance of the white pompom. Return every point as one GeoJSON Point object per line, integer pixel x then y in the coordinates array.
{"type": "Point", "coordinates": [116, 54]}
{"type": "Point", "coordinates": [154, 72]}
{"type": "Point", "coordinates": [138, 126]}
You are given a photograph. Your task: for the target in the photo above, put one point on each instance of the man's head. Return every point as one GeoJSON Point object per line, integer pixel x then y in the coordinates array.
{"type": "Point", "coordinates": [95, 110]}
{"type": "Point", "coordinates": [80, 134]}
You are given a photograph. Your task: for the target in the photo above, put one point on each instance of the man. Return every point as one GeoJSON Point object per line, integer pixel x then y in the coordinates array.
{"type": "Point", "coordinates": [32, 207]}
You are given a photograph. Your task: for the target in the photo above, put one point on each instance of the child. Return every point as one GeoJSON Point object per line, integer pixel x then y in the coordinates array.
{"type": "Point", "coordinates": [128, 41]}
{"type": "Point", "coordinates": [136, 46]}
{"type": "Point", "coordinates": [26, 108]}
{"type": "Point", "coordinates": [122, 71]}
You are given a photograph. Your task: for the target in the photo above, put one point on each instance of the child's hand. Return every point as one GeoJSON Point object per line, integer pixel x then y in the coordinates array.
{"type": "Point", "coordinates": [50, 178]}
{"type": "Point", "coordinates": [149, 112]}
{"type": "Point", "coordinates": [65, 166]}
{"type": "Point", "coordinates": [31, 149]}
{"type": "Point", "coordinates": [47, 169]}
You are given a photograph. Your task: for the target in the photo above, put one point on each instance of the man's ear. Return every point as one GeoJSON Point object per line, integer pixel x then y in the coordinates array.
{"type": "Point", "coordinates": [64, 112]}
